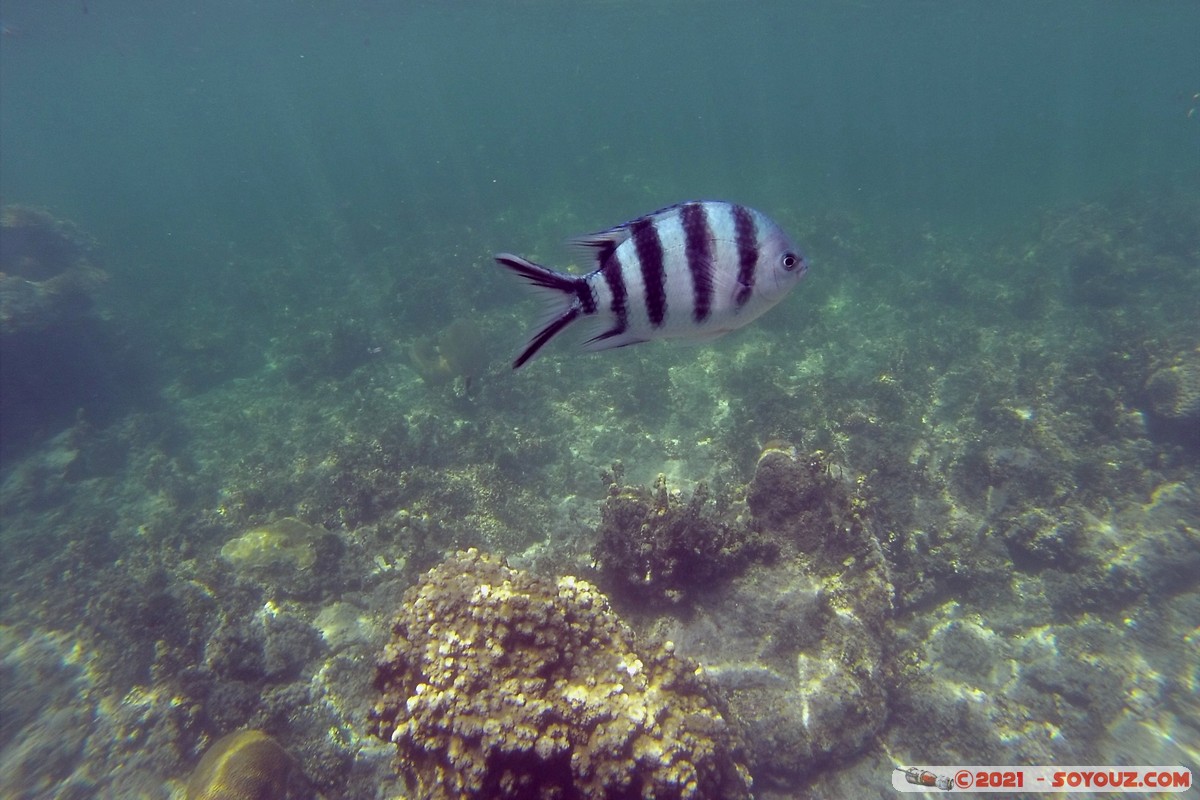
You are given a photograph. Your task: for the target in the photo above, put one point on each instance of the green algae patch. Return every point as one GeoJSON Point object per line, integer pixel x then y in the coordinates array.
{"type": "Point", "coordinates": [285, 543]}
{"type": "Point", "coordinates": [459, 351]}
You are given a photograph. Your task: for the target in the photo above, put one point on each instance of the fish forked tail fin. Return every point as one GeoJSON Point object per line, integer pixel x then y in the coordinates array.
{"type": "Point", "coordinates": [565, 296]}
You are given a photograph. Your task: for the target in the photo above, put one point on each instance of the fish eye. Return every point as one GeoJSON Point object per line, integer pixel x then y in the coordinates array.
{"type": "Point", "coordinates": [790, 261]}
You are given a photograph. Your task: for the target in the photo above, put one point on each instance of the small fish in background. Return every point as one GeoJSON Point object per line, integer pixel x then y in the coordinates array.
{"type": "Point", "coordinates": [692, 271]}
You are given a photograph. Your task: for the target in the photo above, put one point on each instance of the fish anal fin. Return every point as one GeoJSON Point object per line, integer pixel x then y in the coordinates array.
{"type": "Point", "coordinates": [545, 334]}
{"type": "Point", "coordinates": [605, 338]}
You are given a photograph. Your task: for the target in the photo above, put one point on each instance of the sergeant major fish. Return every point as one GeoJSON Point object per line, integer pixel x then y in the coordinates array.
{"type": "Point", "coordinates": [691, 271]}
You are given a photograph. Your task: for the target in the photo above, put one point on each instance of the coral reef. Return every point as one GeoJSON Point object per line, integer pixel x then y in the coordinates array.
{"type": "Point", "coordinates": [1014, 439]}
{"type": "Point", "coordinates": [655, 548]}
{"type": "Point", "coordinates": [65, 736]}
{"type": "Point", "coordinates": [498, 683]}
{"type": "Point", "coordinates": [246, 765]}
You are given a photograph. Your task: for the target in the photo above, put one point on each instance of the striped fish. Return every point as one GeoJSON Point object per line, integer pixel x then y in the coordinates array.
{"type": "Point", "coordinates": [692, 271]}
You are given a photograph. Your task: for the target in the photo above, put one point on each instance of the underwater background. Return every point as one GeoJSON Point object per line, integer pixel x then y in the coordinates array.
{"type": "Point", "coordinates": [939, 506]}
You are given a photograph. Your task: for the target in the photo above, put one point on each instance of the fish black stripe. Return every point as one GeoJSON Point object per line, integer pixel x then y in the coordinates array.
{"type": "Point", "coordinates": [587, 297]}
{"type": "Point", "coordinates": [604, 251]}
{"type": "Point", "coordinates": [747, 247]}
{"type": "Point", "coordinates": [698, 238]}
{"type": "Point", "coordinates": [612, 272]}
{"type": "Point", "coordinates": [654, 277]}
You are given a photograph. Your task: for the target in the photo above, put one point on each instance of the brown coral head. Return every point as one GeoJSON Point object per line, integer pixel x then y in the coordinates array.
{"type": "Point", "coordinates": [503, 684]}
{"type": "Point", "coordinates": [246, 765]}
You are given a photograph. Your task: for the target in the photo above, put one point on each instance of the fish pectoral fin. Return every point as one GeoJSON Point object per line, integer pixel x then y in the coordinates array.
{"type": "Point", "coordinates": [728, 291]}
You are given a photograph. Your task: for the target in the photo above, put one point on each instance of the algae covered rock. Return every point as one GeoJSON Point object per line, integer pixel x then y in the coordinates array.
{"type": "Point", "coordinates": [655, 547]}
{"type": "Point", "coordinates": [499, 683]}
{"type": "Point", "coordinates": [1173, 396]}
{"type": "Point", "coordinates": [789, 605]}
{"type": "Point", "coordinates": [48, 275]}
{"type": "Point", "coordinates": [247, 765]}
{"type": "Point", "coordinates": [63, 359]}
{"type": "Point", "coordinates": [1174, 390]}
{"type": "Point", "coordinates": [802, 646]}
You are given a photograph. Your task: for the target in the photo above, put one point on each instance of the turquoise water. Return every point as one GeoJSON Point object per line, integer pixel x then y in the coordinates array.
{"type": "Point", "coordinates": [171, 129]}
{"type": "Point", "coordinates": [274, 212]}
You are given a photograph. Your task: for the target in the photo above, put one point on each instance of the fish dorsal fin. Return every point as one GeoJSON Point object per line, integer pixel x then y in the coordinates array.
{"type": "Point", "coordinates": [613, 237]}
{"type": "Point", "coordinates": [600, 245]}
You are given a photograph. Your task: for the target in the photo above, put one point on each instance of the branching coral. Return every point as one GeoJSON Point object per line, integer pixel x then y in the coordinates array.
{"type": "Point", "coordinates": [499, 683]}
